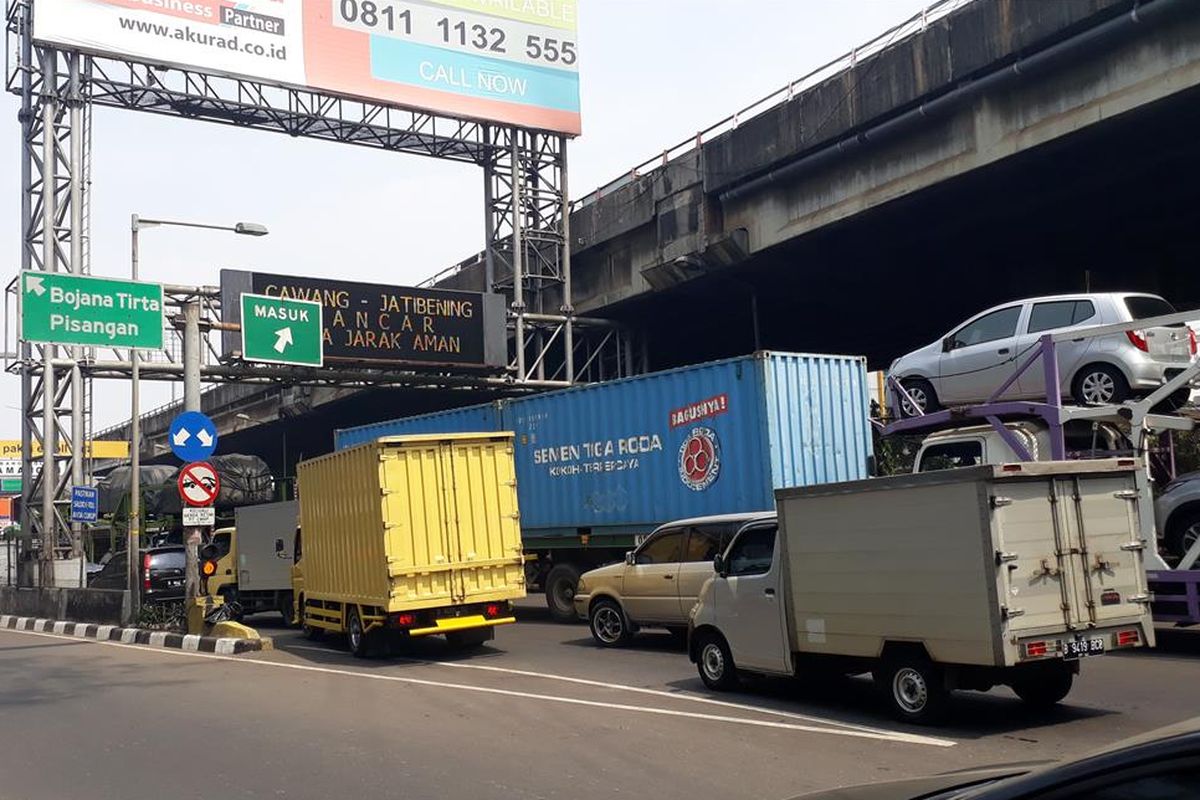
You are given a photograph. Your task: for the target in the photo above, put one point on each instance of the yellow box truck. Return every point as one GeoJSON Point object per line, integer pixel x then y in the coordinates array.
{"type": "Point", "coordinates": [410, 536]}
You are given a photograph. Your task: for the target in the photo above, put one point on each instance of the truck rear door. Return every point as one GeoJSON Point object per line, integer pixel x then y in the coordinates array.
{"type": "Point", "coordinates": [1069, 550]}
{"type": "Point", "coordinates": [451, 520]}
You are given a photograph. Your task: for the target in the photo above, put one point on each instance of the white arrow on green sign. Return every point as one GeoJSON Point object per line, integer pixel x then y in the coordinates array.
{"type": "Point", "coordinates": [278, 330]}
{"type": "Point", "coordinates": [61, 308]}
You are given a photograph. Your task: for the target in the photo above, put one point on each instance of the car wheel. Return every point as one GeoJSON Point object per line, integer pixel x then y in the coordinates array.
{"type": "Point", "coordinates": [715, 664]}
{"type": "Point", "coordinates": [1044, 688]}
{"type": "Point", "coordinates": [913, 689]}
{"type": "Point", "coordinates": [1098, 385]}
{"type": "Point", "coordinates": [610, 628]}
{"type": "Point", "coordinates": [922, 394]}
{"type": "Point", "coordinates": [356, 636]}
{"type": "Point", "coordinates": [561, 583]}
{"type": "Point", "coordinates": [1182, 534]}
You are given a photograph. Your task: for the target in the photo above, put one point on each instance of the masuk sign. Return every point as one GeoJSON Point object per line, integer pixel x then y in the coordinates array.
{"type": "Point", "coordinates": [373, 323]}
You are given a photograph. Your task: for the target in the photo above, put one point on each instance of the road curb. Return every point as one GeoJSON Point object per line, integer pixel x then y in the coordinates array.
{"type": "Point", "coordinates": [113, 633]}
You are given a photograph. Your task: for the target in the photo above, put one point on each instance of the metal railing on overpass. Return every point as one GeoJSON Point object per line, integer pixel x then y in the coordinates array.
{"type": "Point", "coordinates": [847, 61]}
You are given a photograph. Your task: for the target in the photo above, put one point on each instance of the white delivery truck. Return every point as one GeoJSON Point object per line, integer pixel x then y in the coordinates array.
{"type": "Point", "coordinates": [960, 579]}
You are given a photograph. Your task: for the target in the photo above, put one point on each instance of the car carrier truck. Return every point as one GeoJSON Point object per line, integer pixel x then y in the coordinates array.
{"type": "Point", "coordinates": [409, 536]}
{"type": "Point", "coordinates": [961, 579]}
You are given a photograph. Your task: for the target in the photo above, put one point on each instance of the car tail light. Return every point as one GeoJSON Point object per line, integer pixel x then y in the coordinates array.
{"type": "Point", "coordinates": [1010, 468]}
{"type": "Point", "coordinates": [404, 619]}
{"type": "Point", "coordinates": [1128, 638]}
{"type": "Point", "coordinates": [1138, 340]}
{"type": "Point", "coordinates": [493, 610]}
{"type": "Point", "coordinates": [1192, 341]}
{"type": "Point", "coordinates": [146, 571]}
{"type": "Point", "coordinates": [1041, 649]}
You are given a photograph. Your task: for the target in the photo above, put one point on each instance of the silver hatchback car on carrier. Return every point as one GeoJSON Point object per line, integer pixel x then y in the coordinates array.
{"type": "Point", "coordinates": [979, 355]}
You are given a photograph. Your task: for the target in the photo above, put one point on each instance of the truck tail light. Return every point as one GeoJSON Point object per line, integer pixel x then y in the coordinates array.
{"type": "Point", "coordinates": [404, 619]}
{"type": "Point", "coordinates": [1041, 649]}
{"type": "Point", "coordinates": [146, 571]}
{"type": "Point", "coordinates": [1138, 340]}
{"type": "Point", "coordinates": [493, 610]}
{"type": "Point", "coordinates": [1128, 638]}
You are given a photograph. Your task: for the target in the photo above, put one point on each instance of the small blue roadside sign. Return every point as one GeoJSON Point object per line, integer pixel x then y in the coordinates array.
{"type": "Point", "coordinates": [85, 504]}
{"type": "Point", "coordinates": [193, 436]}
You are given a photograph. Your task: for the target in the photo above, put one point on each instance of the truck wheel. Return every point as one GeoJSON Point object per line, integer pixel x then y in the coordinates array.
{"type": "Point", "coordinates": [286, 608]}
{"type": "Point", "coordinates": [715, 664]}
{"type": "Point", "coordinates": [610, 628]}
{"type": "Point", "coordinates": [358, 639]}
{"type": "Point", "coordinates": [469, 640]}
{"type": "Point", "coordinates": [913, 690]}
{"type": "Point", "coordinates": [560, 592]}
{"type": "Point", "coordinates": [1044, 688]}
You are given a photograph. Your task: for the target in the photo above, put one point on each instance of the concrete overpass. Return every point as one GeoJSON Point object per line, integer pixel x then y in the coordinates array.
{"type": "Point", "coordinates": [1010, 148]}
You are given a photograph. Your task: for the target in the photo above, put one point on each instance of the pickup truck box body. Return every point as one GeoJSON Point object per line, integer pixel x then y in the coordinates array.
{"type": "Point", "coordinates": [990, 575]}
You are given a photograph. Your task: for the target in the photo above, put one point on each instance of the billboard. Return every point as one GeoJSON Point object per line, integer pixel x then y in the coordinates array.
{"type": "Point", "coordinates": [371, 322]}
{"type": "Point", "coordinates": [509, 61]}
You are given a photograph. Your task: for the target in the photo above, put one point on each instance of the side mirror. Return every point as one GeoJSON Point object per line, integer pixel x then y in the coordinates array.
{"type": "Point", "coordinates": [948, 344]}
{"type": "Point", "coordinates": [719, 565]}
{"type": "Point", "coordinates": [629, 559]}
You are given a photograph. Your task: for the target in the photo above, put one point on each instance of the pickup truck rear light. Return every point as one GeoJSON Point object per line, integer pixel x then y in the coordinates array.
{"type": "Point", "coordinates": [493, 610]}
{"type": "Point", "coordinates": [1138, 340]}
{"type": "Point", "coordinates": [1041, 649]}
{"type": "Point", "coordinates": [1128, 638]}
{"type": "Point", "coordinates": [146, 571]}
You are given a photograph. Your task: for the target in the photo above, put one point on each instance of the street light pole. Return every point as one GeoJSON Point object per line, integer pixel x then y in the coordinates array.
{"type": "Point", "coordinates": [133, 546]}
{"type": "Point", "coordinates": [191, 402]}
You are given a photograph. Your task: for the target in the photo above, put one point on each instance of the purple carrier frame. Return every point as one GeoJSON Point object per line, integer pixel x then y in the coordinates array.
{"type": "Point", "coordinates": [1176, 591]}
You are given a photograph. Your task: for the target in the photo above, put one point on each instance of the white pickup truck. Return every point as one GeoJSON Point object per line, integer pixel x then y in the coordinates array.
{"type": "Point", "coordinates": [959, 579]}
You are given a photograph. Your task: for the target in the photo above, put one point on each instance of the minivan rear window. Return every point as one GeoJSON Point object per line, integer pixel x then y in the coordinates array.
{"type": "Point", "coordinates": [168, 559]}
{"type": "Point", "coordinates": [1145, 307]}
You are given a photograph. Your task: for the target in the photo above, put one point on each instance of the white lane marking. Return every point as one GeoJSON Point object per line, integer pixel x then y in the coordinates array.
{"type": "Point", "coordinates": [889, 736]}
{"type": "Point", "coordinates": [625, 688]}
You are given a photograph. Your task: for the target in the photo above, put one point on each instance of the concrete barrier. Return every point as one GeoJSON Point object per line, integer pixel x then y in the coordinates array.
{"type": "Point", "coordinates": [101, 606]}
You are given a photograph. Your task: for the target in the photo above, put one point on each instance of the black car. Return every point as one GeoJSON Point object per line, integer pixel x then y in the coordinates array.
{"type": "Point", "coordinates": [1161, 765]}
{"type": "Point", "coordinates": [162, 573]}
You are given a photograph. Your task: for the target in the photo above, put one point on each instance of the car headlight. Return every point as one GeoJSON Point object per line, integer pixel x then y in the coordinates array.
{"type": "Point", "coordinates": [580, 587]}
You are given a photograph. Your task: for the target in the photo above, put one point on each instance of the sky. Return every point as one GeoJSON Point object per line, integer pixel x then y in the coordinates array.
{"type": "Point", "coordinates": [652, 74]}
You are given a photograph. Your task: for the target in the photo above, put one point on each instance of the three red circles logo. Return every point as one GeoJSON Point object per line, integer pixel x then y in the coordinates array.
{"type": "Point", "coordinates": [700, 459]}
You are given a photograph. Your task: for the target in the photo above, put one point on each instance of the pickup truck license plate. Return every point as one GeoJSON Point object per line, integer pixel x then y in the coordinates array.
{"type": "Point", "coordinates": [1080, 648]}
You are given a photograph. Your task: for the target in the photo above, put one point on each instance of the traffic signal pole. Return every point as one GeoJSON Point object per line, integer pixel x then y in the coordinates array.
{"type": "Point", "coordinates": [191, 402]}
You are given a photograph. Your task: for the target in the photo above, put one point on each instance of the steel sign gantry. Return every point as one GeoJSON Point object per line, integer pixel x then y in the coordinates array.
{"type": "Point", "coordinates": [525, 205]}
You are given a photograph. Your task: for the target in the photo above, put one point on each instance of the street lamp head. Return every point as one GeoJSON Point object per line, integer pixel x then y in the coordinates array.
{"type": "Point", "coordinates": [250, 229]}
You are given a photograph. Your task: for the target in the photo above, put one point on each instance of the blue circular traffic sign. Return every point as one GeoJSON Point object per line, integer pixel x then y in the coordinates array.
{"type": "Point", "coordinates": [193, 436]}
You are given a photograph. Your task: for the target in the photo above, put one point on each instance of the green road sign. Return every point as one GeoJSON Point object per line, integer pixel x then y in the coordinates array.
{"type": "Point", "coordinates": [277, 330]}
{"type": "Point", "coordinates": [62, 308]}
{"type": "Point", "coordinates": [10, 485]}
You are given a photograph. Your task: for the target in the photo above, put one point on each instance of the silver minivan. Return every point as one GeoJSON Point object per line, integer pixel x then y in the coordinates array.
{"type": "Point", "coordinates": [974, 359]}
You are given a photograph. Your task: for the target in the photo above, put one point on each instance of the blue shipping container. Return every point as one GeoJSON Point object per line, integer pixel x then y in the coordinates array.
{"type": "Point", "coordinates": [625, 456]}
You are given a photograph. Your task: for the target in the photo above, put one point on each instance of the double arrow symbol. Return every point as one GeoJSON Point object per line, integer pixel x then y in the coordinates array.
{"type": "Point", "coordinates": [182, 436]}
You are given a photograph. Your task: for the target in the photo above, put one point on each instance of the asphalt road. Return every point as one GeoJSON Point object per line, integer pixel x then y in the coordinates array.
{"type": "Point", "coordinates": [541, 713]}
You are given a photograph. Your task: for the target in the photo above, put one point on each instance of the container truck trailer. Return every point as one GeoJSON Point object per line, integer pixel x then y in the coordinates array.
{"type": "Point", "coordinates": [599, 467]}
